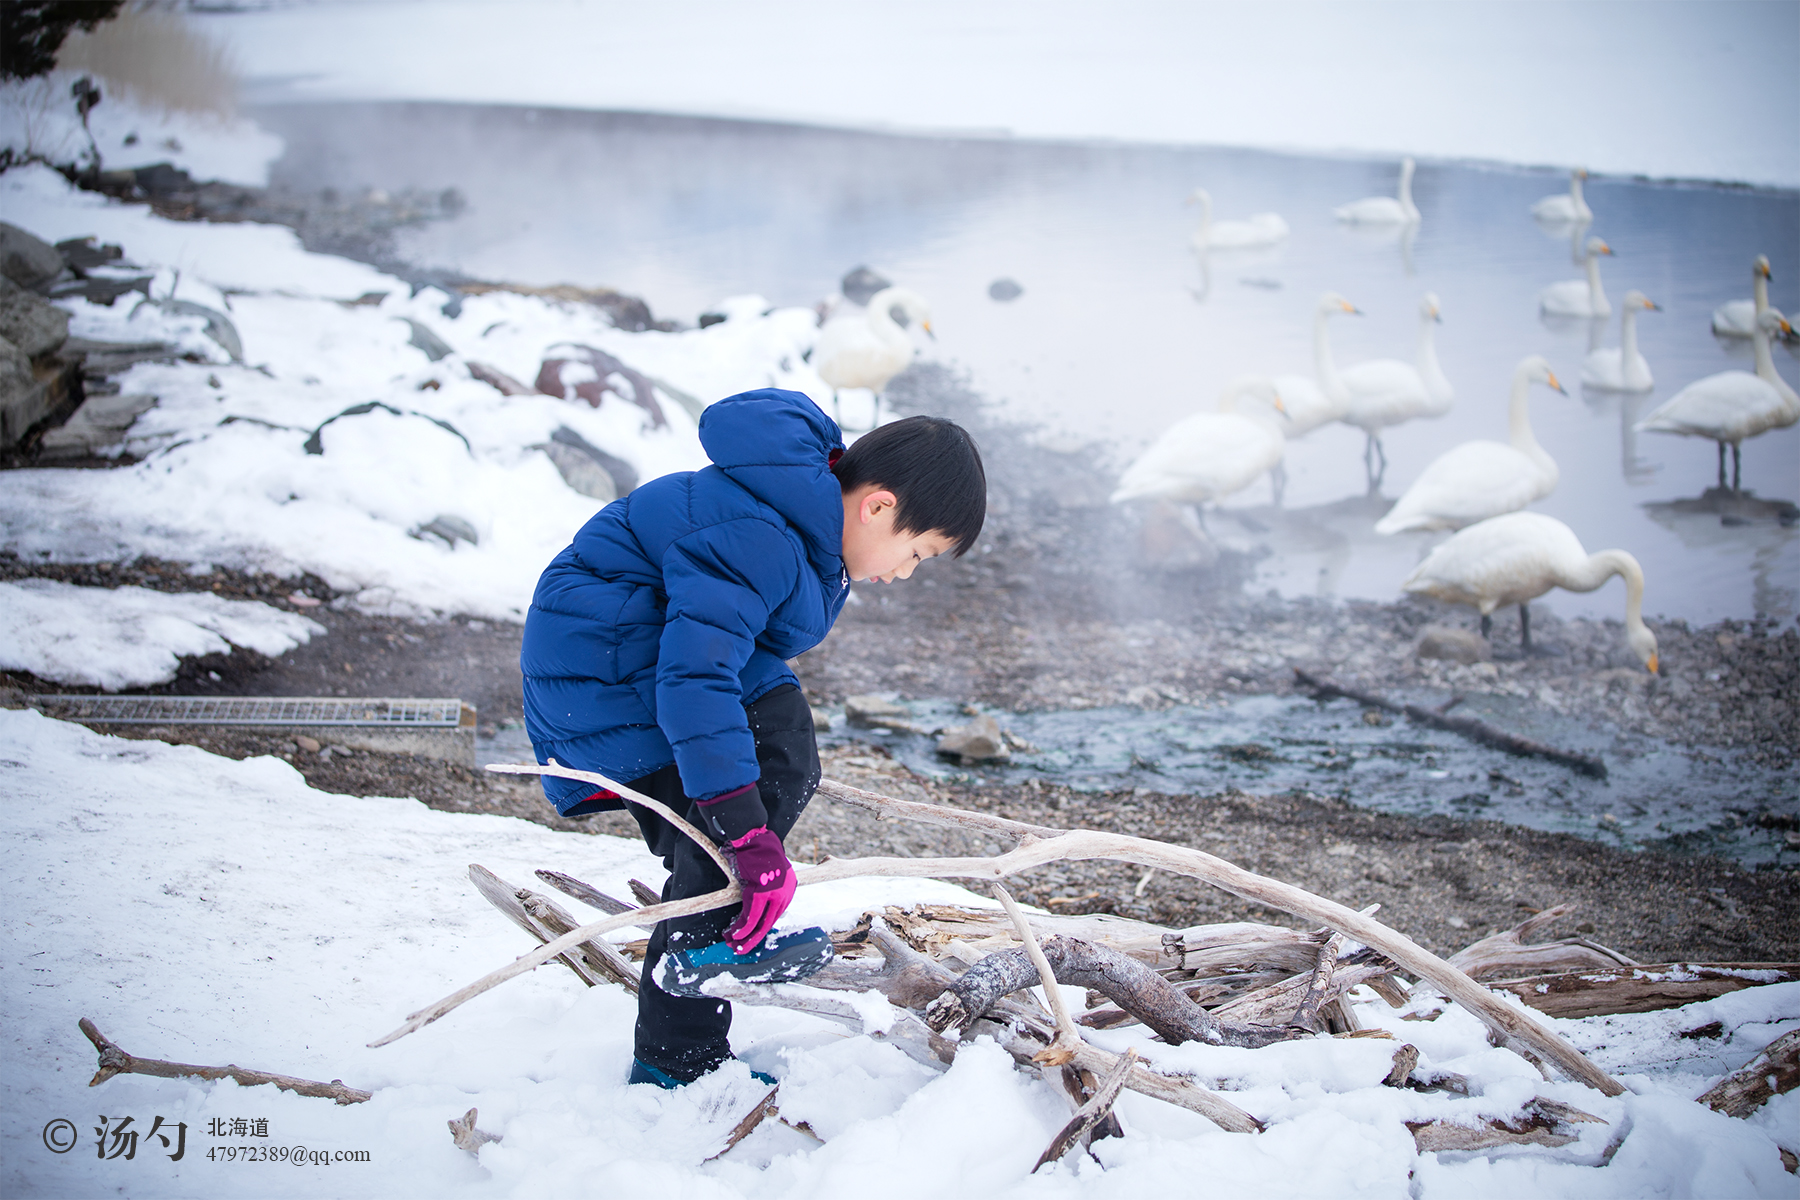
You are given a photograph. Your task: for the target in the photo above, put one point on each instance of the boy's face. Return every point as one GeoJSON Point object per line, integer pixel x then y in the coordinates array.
{"type": "Point", "coordinates": [873, 547]}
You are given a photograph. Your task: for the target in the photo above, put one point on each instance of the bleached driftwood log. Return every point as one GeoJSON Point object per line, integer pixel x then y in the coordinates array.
{"type": "Point", "coordinates": [1068, 1037]}
{"type": "Point", "coordinates": [467, 1137]}
{"type": "Point", "coordinates": [1505, 955]}
{"type": "Point", "coordinates": [593, 961]}
{"type": "Point", "coordinates": [1039, 845]}
{"type": "Point", "coordinates": [1036, 849]}
{"type": "Point", "coordinates": [1542, 1122]}
{"type": "Point", "coordinates": [1098, 1107]}
{"type": "Point", "coordinates": [1645, 987]}
{"type": "Point", "coordinates": [114, 1061]}
{"type": "Point", "coordinates": [587, 893]}
{"type": "Point", "coordinates": [764, 1108]}
{"type": "Point", "coordinates": [1775, 1071]}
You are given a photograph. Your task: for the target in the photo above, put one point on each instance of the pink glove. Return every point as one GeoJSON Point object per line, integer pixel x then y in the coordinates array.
{"type": "Point", "coordinates": [768, 881]}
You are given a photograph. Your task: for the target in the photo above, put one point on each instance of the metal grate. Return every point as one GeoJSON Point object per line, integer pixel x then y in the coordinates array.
{"type": "Point", "coordinates": [253, 710]}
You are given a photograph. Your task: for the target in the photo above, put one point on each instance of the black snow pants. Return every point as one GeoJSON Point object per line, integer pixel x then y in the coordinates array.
{"type": "Point", "coordinates": [686, 1036]}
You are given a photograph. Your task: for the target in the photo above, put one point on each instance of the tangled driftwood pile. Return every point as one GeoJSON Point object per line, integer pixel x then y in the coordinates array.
{"type": "Point", "coordinates": [951, 973]}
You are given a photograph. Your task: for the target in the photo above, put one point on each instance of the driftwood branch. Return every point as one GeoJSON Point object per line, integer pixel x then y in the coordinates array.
{"type": "Point", "coordinates": [1306, 1016]}
{"type": "Point", "coordinates": [1775, 1071]}
{"type": "Point", "coordinates": [1090, 1114]}
{"type": "Point", "coordinates": [1036, 849]}
{"type": "Point", "coordinates": [1542, 1122]}
{"type": "Point", "coordinates": [587, 893]}
{"type": "Point", "coordinates": [764, 1108]}
{"type": "Point", "coordinates": [594, 961]}
{"type": "Point", "coordinates": [1472, 728]}
{"type": "Point", "coordinates": [1646, 987]}
{"type": "Point", "coordinates": [467, 1137]}
{"type": "Point", "coordinates": [1506, 954]}
{"type": "Point", "coordinates": [114, 1061]}
{"type": "Point", "coordinates": [1067, 1035]}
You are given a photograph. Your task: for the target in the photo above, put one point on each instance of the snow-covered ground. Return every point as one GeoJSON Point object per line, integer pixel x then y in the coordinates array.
{"type": "Point", "coordinates": [227, 478]}
{"type": "Point", "coordinates": [1699, 90]}
{"type": "Point", "coordinates": [127, 637]}
{"type": "Point", "coordinates": [211, 911]}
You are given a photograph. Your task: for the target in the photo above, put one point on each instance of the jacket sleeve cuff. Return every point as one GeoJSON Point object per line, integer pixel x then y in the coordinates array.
{"type": "Point", "coordinates": [731, 815]}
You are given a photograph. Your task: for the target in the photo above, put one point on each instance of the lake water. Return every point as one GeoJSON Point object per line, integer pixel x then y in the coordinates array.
{"type": "Point", "coordinates": [1120, 330]}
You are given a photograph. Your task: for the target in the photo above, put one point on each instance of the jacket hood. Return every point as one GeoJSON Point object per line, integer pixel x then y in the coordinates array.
{"type": "Point", "coordinates": [778, 446]}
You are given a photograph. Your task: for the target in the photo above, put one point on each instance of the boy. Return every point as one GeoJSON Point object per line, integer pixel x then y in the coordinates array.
{"type": "Point", "coordinates": [655, 652]}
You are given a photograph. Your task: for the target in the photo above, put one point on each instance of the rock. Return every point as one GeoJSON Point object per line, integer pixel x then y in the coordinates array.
{"type": "Point", "coordinates": [1455, 645]}
{"type": "Point", "coordinates": [588, 469]}
{"type": "Point", "coordinates": [81, 255]}
{"type": "Point", "coordinates": [218, 326]}
{"type": "Point", "coordinates": [821, 720]}
{"type": "Point", "coordinates": [878, 712]}
{"type": "Point", "coordinates": [449, 530]}
{"type": "Point", "coordinates": [709, 319]}
{"type": "Point", "coordinates": [32, 324]}
{"type": "Point", "coordinates": [1005, 290]}
{"type": "Point", "coordinates": [861, 284]}
{"type": "Point", "coordinates": [103, 290]}
{"type": "Point", "coordinates": [98, 425]}
{"type": "Point", "coordinates": [578, 372]}
{"type": "Point", "coordinates": [434, 346]}
{"type": "Point", "coordinates": [27, 259]}
{"type": "Point", "coordinates": [310, 745]}
{"type": "Point", "coordinates": [497, 379]}
{"type": "Point", "coordinates": [978, 741]}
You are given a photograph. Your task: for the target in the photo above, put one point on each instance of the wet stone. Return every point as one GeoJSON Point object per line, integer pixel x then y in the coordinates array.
{"type": "Point", "coordinates": [1453, 645]}
{"type": "Point", "coordinates": [978, 741]}
{"type": "Point", "coordinates": [27, 259]}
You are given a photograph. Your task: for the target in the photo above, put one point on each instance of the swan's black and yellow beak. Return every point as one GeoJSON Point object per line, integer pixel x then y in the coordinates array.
{"type": "Point", "coordinates": [1652, 305]}
{"type": "Point", "coordinates": [1762, 268]}
{"type": "Point", "coordinates": [1553, 383]}
{"type": "Point", "coordinates": [1652, 665]}
{"type": "Point", "coordinates": [1351, 309]}
{"type": "Point", "coordinates": [1603, 248]}
{"type": "Point", "coordinates": [926, 326]}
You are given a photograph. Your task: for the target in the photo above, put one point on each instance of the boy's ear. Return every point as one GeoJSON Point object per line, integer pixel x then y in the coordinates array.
{"type": "Point", "coordinates": [875, 503]}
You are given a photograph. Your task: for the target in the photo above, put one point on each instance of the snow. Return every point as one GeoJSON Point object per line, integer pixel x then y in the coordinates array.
{"type": "Point", "coordinates": [131, 636]}
{"type": "Point", "coordinates": [37, 117]}
{"type": "Point", "coordinates": [1668, 90]}
{"type": "Point", "coordinates": [226, 478]}
{"type": "Point", "coordinates": [211, 911]}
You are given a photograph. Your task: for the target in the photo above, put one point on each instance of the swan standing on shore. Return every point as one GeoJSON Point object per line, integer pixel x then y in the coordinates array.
{"type": "Point", "coordinates": [1621, 368]}
{"type": "Point", "coordinates": [1516, 558]}
{"type": "Point", "coordinates": [1478, 480]}
{"type": "Point", "coordinates": [1565, 207]}
{"type": "Point", "coordinates": [1210, 455]}
{"type": "Point", "coordinates": [1384, 210]}
{"type": "Point", "coordinates": [1737, 318]}
{"type": "Point", "coordinates": [1579, 297]}
{"type": "Point", "coordinates": [1387, 391]}
{"type": "Point", "coordinates": [867, 349]}
{"type": "Point", "coordinates": [1261, 229]}
{"type": "Point", "coordinates": [1732, 405]}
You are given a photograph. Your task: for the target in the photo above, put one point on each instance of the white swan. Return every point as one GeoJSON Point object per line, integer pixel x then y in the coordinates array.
{"type": "Point", "coordinates": [1384, 210]}
{"type": "Point", "coordinates": [1210, 455]}
{"type": "Point", "coordinates": [1737, 318]}
{"type": "Point", "coordinates": [1518, 557]}
{"type": "Point", "coordinates": [1579, 297]}
{"type": "Point", "coordinates": [867, 349]}
{"type": "Point", "coordinates": [1565, 206]}
{"type": "Point", "coordinates": [1732, 405]}
{"type": "Point", "coordinates": [1478, 480]}
{"type": "Point", "coordinates": [1387, 391]}
{"type": "Point", "coordinates": [1261, 229]}
{"type": "Point", "coordinates": [1314, 400]}
{"type": "Point", "coordinates": [1621, 368]}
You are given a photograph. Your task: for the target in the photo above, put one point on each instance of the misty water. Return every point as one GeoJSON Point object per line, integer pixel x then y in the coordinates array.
{"type": "Point", "coordinates": [1121, 330]}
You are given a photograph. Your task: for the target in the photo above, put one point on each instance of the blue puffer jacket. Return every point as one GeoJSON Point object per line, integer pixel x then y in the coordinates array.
{"type": "Point", "coordinates": [675, 606]}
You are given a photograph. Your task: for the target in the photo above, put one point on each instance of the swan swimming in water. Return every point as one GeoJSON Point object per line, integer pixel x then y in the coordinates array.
{"type": "Point", "coordinates": [1261, 229]}
{"type": "Point", "coordinates": [1737, 318]}
{"type": "Point", "coordinates": [1384, 210]}
{"type": "Point", "coordinates": [1518, 557]}
{"type": "Point", "coordinates": [1567, 206]}
{"type": "Point", "coordinates": [1210, 455]}
{"type": "Point", "coordinates": [867, 349]}
{"type": "Point", "coordinates": [1579, 297]}
{"type": "Point", "coordinates": [1477, 480]}
{"type": "Point", "coordinates": [1387, 391]}
{"type": "Point", "coordinates": [1732, 405]}
{"type": "Point", "coordinates": [1621, 368]}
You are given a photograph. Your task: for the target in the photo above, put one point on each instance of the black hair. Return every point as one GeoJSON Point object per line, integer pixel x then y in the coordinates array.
{"type": "Point", "coordinates": [934, 470]}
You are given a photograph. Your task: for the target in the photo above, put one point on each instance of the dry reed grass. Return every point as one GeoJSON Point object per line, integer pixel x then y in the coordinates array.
{"type": "Point", "coordinates": [158, 58]}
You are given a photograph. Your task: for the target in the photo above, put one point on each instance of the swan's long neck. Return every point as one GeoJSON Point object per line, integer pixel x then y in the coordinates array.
{"type": "Point", "coordinates": [1323, 367]}
{"type": "Point", "coordinates": [1628, 351]}
{"type": "Point", "coordinates": [1765, 370]}
{"type": "Point", "coordinates": [1406, 199]}
{"type": "Point", "coordinates": [1598, 568]}
{"type": "Point", "coordinates": [1762, 294]}
{"type": "Point", "coordinates": [881, 319]}
{"type": "Point", "coordinates": [1426, 360]}
{"type": "Point", "coordinates": [1518, 420]}
{"type": "Point", "coordinates": [1575, 192]}
{"type": "Point", "coordinates": [1596, 293]}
